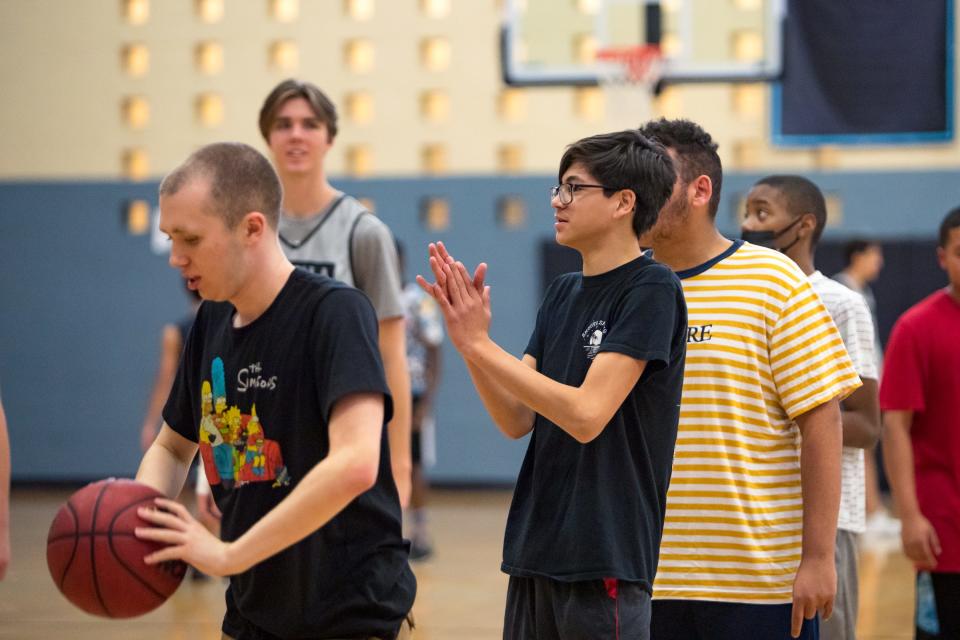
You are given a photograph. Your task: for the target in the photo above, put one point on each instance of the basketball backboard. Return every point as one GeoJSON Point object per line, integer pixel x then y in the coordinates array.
{"type": "Point", "coordinates": [550, 42]}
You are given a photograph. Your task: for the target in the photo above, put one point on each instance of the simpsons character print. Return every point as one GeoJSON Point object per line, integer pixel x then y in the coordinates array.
{"type": "Point", "coordinates": [234, 445]}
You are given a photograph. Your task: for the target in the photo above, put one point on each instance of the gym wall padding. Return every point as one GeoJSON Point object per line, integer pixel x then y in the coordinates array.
{"type": "Point", "coordinates": [82, 303]}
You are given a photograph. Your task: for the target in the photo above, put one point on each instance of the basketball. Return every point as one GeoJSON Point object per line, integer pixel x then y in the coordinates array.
{"type": "Point", "coordinates": [96, 560]}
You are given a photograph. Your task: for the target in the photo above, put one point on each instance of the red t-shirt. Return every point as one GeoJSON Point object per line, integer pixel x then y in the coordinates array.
{"type": "Point", "coordinates": [922, 374]}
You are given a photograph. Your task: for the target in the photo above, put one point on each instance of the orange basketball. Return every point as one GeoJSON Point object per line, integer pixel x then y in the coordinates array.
{"type": "Point", "coordinates": [96, 560]}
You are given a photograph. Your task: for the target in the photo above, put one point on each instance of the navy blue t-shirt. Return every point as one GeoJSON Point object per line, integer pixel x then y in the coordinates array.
{"type": "Point", "coordinates": [258, 400]}
{"type": "Point", "coordinates": [595, 510]}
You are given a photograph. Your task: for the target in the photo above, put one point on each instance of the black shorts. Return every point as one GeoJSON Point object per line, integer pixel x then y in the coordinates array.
{"type": "Point", "coordinates": [706, 620]}
{"type": "Point", "coordinates": [610, 609]}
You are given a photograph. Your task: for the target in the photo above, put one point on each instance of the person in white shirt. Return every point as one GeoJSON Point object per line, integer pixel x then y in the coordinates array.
{"type": "Point", "coordinates": [864, 260]}
{"type": "Point", "coordinates": [788, 213]}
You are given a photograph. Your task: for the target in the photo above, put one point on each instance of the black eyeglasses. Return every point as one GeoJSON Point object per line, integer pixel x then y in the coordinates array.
{"type": "Point", "coordinates": [564, 192]}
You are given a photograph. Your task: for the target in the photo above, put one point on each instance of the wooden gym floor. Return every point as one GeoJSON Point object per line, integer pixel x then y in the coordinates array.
{"type": "Point", "coordinates": [461, 589]}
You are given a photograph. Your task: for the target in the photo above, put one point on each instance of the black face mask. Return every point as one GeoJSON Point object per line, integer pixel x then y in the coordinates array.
{"type": "Point", "coordinates": [767, 238]}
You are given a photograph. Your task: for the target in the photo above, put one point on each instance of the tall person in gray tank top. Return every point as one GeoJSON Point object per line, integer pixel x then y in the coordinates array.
{"type": "Point", "coordinates": [327, 231]}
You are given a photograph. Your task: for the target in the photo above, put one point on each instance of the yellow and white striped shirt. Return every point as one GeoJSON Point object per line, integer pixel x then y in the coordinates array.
{"type": "Point", "coordinates": [761, 350]}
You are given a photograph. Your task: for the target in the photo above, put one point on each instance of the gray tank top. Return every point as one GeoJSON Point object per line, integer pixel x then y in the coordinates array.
{"type": "Point", "coordinates": [350, 244]}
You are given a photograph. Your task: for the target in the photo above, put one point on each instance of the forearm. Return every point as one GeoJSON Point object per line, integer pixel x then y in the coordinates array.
{"type": "Point", "coordinates": [171, 346]}
{"type": "Point", "coordinates": [582, 411]}
{"type": "Point", "coordinates": [398, 430]}
{"type": "Point", "coordinates": [820, 455]}
{"type": "Point", "coordinates": [325, 491]}
{"type": "Point", "coordinates": [164, 469]}
{"type": "Point", "coordinates": [858, 430]}
{"type": "Point", "coordinates": [510, 415]}
{"type": "Point", "coordinates": [563, 405]}
{"type": "Point", "coordinates": [155, 406]}
{"type": "Point", "coordinates": [393, 351]}
{"type": "Point", "coordinates": [861, 416]}
{"type": "Point", "coordinates": [898, 462]}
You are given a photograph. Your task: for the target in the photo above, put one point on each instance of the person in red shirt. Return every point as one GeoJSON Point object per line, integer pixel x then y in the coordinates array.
{"type": "Point", "coordinates": [921, 442]}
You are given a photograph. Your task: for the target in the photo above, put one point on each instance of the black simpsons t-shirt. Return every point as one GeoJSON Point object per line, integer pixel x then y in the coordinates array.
{"type": "Point", "coordinates": [258, 400]}
{"type": "Point", "coordinates": [595, 510]}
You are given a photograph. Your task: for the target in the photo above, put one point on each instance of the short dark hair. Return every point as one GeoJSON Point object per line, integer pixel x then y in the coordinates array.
{"type": "Point", "coordinates": [950, 221]}
{"type": "Point", "coordinates": [855, 247]}
{"type": "Point", "coordinates": [323, 107]}
{"type": "Point", "coordinates": [627, 160]}
{"type": "Point", "coordinates": [802, 196]}
{"type": "Point", "coordinates": [241, 180]}
{"type": "Point", "coordinates": [696, 152]}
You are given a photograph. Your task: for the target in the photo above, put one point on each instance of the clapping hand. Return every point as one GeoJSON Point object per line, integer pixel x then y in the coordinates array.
{"type": "Point", "coordinates": [463, 300]}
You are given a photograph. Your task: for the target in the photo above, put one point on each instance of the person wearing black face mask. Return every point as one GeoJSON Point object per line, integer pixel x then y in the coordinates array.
{"type": "Point", "coordinates": [768, 238]}
{"type": "Point", "coordinates": [775, 205]}
{"type": "Point", "coordinates": [778, 204]}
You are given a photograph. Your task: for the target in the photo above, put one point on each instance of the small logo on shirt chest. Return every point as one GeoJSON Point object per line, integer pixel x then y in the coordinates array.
{"type": "Point", "coordinates": [592, 336]}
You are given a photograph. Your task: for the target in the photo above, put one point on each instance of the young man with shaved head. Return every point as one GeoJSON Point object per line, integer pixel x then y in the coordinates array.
{"type": "Point", "coordinates": [281, 388]}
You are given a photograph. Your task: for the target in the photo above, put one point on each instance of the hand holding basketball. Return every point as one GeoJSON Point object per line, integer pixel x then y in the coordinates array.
{"type": "Point", "coordinates": [95, 559]}
{"type": "Point", "coordinates": [185, 538]}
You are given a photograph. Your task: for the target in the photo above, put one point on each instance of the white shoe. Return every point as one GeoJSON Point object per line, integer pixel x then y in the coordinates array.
{"type": "Point", "coordinates": [881, 524]}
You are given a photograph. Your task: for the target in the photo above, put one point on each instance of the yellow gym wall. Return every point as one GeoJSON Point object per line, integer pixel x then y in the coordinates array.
{"type": "Point", "coordinates": [425, 98]}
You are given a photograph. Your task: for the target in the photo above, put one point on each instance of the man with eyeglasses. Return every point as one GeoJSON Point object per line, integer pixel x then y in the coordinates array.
{"type": "Point", "coordinates": [598, 388]}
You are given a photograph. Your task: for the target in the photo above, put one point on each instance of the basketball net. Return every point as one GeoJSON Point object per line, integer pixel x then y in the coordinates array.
{"type": "Point", "coordinates": [628, 77]}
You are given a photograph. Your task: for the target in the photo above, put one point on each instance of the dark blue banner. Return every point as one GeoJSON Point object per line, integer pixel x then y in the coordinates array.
{"type": "Point", "coordinates": [866, 73]}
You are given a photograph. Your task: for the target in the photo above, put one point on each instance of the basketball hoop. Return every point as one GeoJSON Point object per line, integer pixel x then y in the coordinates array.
{"type": "Point", "coordinates": [629, 78]}
{"type": "Point", "coordinates": [639, 64]}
